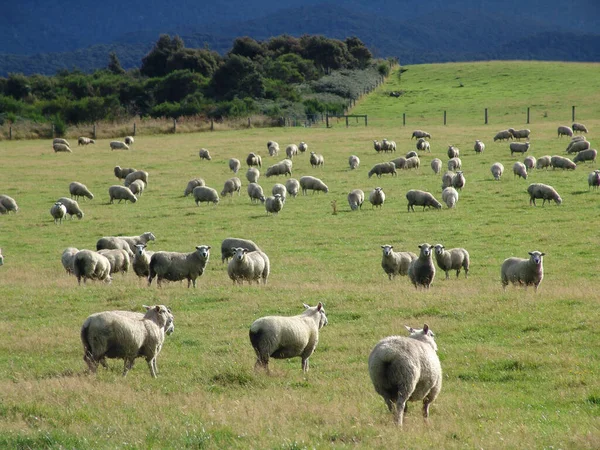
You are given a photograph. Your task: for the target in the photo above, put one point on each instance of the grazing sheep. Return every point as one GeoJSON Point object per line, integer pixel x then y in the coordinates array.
{"type": "Point", "coordinates": [192, 184]}
{"type": "Point", "coordinates": [114, 242]}
{"type": "Point", "coordinates": [454, 163]}
{"type": "Point", "coordinates": [281, 168]}
{"type": "Point", "coordinates": [411, 154]}
{"type": "Point", "coordinates": [118, 145]}
{"type": "Point", "coordinates": [353, 162]}
{"type": "Point", "coordinates": [519, 147]}
{"type": "Point", "coordinates": [564, 131]}
{"type": "Point", "coordinates": [61, 141]}
{"type": "Point", "coordinates": [422, 271]}
{"type": "Point", "coordinates": [137, 175]}
{"type": "Point", "coordinates": [234, 165]}
{"type": "Point", "coordinates": [502, 135]}
{"type": "Point", "coordinates": [274, 204]}
{"type": "Point", "coordinates": [291, 151]}
{"type": "Point", "coordinates": [377, 197]}
{"type": "Point", "coordinates": [312, 183]}
{"type": "Point", "coordinates": [128, 140]}
{"type": "Point", "coordinates": [204, 154]}
{"type": "Point", "coordinates": [519, 170]}
{"type": "Point", "coordinates": [395, 263]}
{"type": "Point", "coordinates": [1, 258]}
{"type": "Point", "coordinates": [453, 152]}
{"type": "Point", "coordinates": [399, 162]}
{"type": "Point", "coordinates": [280, 189]}
{"type": "Point", "coordinates": [228, 245]}
{"type": "Point", "coordinates": [479, 146]}
{"type": "Point", "coordinates": [255, 192]}
{"type": "Point", "coordinates": [453, 259]}
{"type": "Point", "coordinates": [67, 258]}
{"type": "Point", "coordinates": [137, 187]}
{"type": "Point", "coordinates": [72, 207]}
{"type": "Point", "coordinates": [356, 198]}
{"type": "Point", "coordinates": [383, 168]}
{"type": "Point", "coordinates": [58, 212]}
{"type": "Point", "coordinates": [273, 148]}
{"type": "Point", "coordinates": [205, 194]}
{"type": "Point", "coordinates": [85, 141]}
{"type": "Point", "coordinates": [123, 334]}
{"type": "Point", "coordinates": [519, 134]}
{"type": "Point", "coordinates": [421, 198]}
{"type": "Point", "coordinates": [577, 145]}
{"type": "Point", "coordinates": [292, 186]}
{"type": "Point", "coordinates": [530, 162]}
{"type": "Point", "coordinates": [117, 192]}
{"type": "Point", "coordinates": [420, 134]}
{"type": "Point", "coordinates": [8, 204]}
{"type": "Point", "coordinates": [287, 337]}
{"type": "Point", "coordinates": [562, 163]}
{"type": "Point", "coordinates": [174, 266]}
{"type": "Point", "coordinates": [447, 179]}
{"type": "Point", "coordinates": [302, 147]}
{"type": "Point", "coordinates": [388, 146]}
{"type": "Point", "coordinates": [458, 180]}
{"type": "Point", "coordinates": [586, 155]}
{"type": "Point", "coordinates": [497, 170]}
{"type": "Point", "coordinates": [406, 369]}
{"type": "Point", "coordinates": [525, 272]}
{"type": "Point", "coordinates": [141, 261]}
{"type": "Point", "coordinates": [230, 186]}
{"type": "Point", "coordinates": [316, 160]}
{"type": "Point", "coordinates": [579, 127]}
{"type": "Point", "coordinates": [423, 145]}
{"type": "Point", "coordinates": [77, 190]}
{"type": "Point", "coordinates": [122, 173]}
{"type": "Point", "coordinates": [253, 160]}
{"type": "Point", "coordinates": [119, 260]}
{"type": "Point", "coordinates": [61, 148]}
{"type": "Point", "coordinates": [132, 241]}
{"type": "Point", "coordinates": [377, 146]}
{"type": "Point", "coordinates": [450, 196]}
{"type": "Point", "coordinates": [252, 175]}
{"type": "Point", "coordinates": [248, 265]}
{"type": "Point", "coordinates": [594, 179]}
{"type": "Point", "coordinates": [89, 265]}
{"type": "Point", "coordinates": [436, 165]}
{"type": "Point", "coordinates": [544, 162]}
{"type": "Point", "coordinates": [543, 191]}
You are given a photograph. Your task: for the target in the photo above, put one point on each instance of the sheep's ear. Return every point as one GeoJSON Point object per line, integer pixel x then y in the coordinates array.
{"type": "Point", "coordinates": [420, 246]}
{"type": "Point", "coordinates": [305, 305]}
{"type": "Point", "coordinates": [319, 306]}
{"type": "Point", "coordinates": [542, 254]}
{"type": "Point", "coordinates": [208, 247]}
{"type": "Point", "coordinates": [157, 308]}
{"type": "Point", "coordinates": [146, 307]}
{"type": "Point", "coordinates": [425, 329]}
{"type": "Point", "coordinates": [530, 253]}
{"type": "Point", "coordinates": [383, 246]}
{"type": "Point", "coordinates": [409, 329]}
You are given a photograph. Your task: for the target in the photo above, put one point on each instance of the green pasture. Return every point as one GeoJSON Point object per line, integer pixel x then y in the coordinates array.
{"type": "Point", "coordinates": [520, 369]}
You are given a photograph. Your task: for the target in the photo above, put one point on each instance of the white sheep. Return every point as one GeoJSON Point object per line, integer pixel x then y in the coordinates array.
{"type": "Point", "coordinates": [543, 191]}
{"type": "Point", "coordinates": [204, 154]}
{"type": "Point", "coordinates": [192, 184]}
{"type": "Point", "coordinates": [519, 170]}
{"type": "Point", "coordinates": [458, 180]}
{"type": "Point", "coordinates": [274, 204]}
{"type": "Point", "coordinates": [61, 141]}
{"type": "Point", "coordinates": [119, 260]}
{"type": "Point", "coordinates": [137, 187]}
{"type": "Point", "coordinates": [356, 198]}
{"type": "Point", "coordinates": [252, 175]}
{"type": "Point", "coordinates": [127, 243]}
{"type": "Point", "coordinates": [229, 244]}
{"type": "Point", "coordinates": [205, 194]}
{"type": "Point", "coordinates": [453, 151]}
{"type": "Point", "coordinates": [479, 146]}
{"type": "Point", "coordinates": [58, 211]}
{"type": "Point", "coordinates": [85, 141]}
{"type": "Point", "coordinates": [255, 192]}
{"type": "Point", "coordinates": [377, 146]}
{"type": "Point", "coordinates": [253, 160]}
{"type": "Point", "coordinates": [353, 162]}
{"type": "Point", "coordinates": [502, 135]}
{"type": "Point", "coordinates": [273, 148]}
{"type": "Point", "coordinates": [423, 145]}
{"type": "Point", "coordinates": [234, 165]}
{"type": "Point", "coordinates": [530, 162]}
{"type": "Point", "coordinates": [421, 198]}
{"type": "Point", "coordinates": [579, 127]}
{"type": "Point", "coordinates": [453, 259]}
{"type": "Point", "coordinates": [122, 173]}
{"type": "Point", "coordinates": [395, 263]}
{"type": "Point", "coordinates": [594, 179]}
{"type": "Point", "coordinates": [383, 168]}
{"type": "Point", "coordinates": [399, 162]}
{"type": "Point", "coordinates": [544, 162]}
{"type": "Point", "coordinates": [1, 258]}
{"type": "Point", "coordinates": [67, 258]}
{"type": "Point", "coordinates": [586, 155]}
{"type": "Point", "coordinates": [411, 154]}
{"type": "Point", "coordinates": [141, 261]}
{"type": "Point", "coordinates": [422, 271]}
{"type": "Point", "coordinates": [230, 186]}
{"type": "Point", "coordinates": [377, 197]}
{"type": "Point", "coordinates": [287, 337]}
{"type": "Point", "coordinates": [413, 163]}
{"type": "Point", "coordinates": [128, 140]}
{"type": "Point", "coordinates": [280, 189]}
{"type": "Point", "coordinates": [137, 175]}
{"type": "Point", "coordinates": [117, 192]}
{"type": "Point", "coordinates": [174, 266]}
{"type": "Point", "coordinates": [520, 134]}
{"type": "Point", "coordinates": [525, 272]}
{"type": "Point", "coordinates": [312, 183]}
{"type": "Point", "coordinates": [291, 151]}
{"type": "Point", "coordinates": [89, 265]}
{"type": "Point", "coordinates": [77, 190]}
{"type": "Point", "coordinates": [436, 165]}
{"type": "Point", "coordinates": [118, 145]}
{"type": "Point", "coordinates": [562, 163]}
{"type": "Point", "coordinates": [281, 168]}
{"type": "Point", "coordinates": [248, 265]}
{"type": "Point", "coordinates": [8, 204]}
{"type": "Point", "coordinates": [61, 148]}
{"type": "Point", "coordinates": [454, 163]}
{"type": "Point", "coordinates": [577, 145]}
{"type": "Point", "coordinates": [564, 131]}
{"type": "Point", "coordinates": [450, 196]}
{"type": "Point", "coordinates": [316, 160]}
{"type": "Point", "coordinates": [447, 179]}
{"type": "Point", "coordinates": [72, 207]}
{"type": "Point", "coordinates": [302, 147]}
{"type": "Point", "coordinates": [420, 134]}
{"type": "Point", "coordinates": [497, 170]}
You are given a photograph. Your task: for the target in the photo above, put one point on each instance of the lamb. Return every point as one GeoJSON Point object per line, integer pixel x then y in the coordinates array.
{"type": "Point", "coordinates": [454, 163]}
{"type": "Point", "coordinates": [302, 147]}
{"type": "Point", "coordinates": [253, 160]}
{"type": "Point", "coordinates": [72, 207]}
{"type": "Point", "coordinates": [273, 148]}
{"type": "Point", "coordinates": [543, 191]}
{"type": "Point", "coordinates": [255, 192]}
{"type": "Point", "coordinates": [116, 192]}
{"type": "Point", "coordinates": [519, 147]}
{"type": "Point", "coordinates": [519, 170]}
{"type": "Point", "coordinates": [204, 154]}
{"type": "Point", "coordinates": [280, 189]}
{"type": "Point", "coordinates": [61, 148]}
{"type": "Point", "coordinates": [67, 258]}
{"type": "Point", "coordinates": [564, 131]}
{"type": "Point", "coordinates": [400, 163]}
{"type": "Point", "coordinates": [141, 261]}
{"type": "Point", "coordinates": [420, 134]}
{"type": "Point", "coordinates": [562, 163]}
{"type": "Point", "coordinates": [423, 145]}
{"type": "Point", "coordinates": [377, 197]}
{"type": "Point", "coordinates": [530, 162]}
{"type": "Point", "coordinates": [119, 260]}
{"type": "Point", "coordinates": [89, 265]}
{"type": "Point", "coordinates": [137, 175]}
{"type": "Point", "coordinates": [353, 162]}
{"type": "Point", "coordinates": [586, 155]}
{"type": "Point", "coordinates": [58, 212]}
{"type": "Point", "coordinates": [274, 204]}
{"type": "Point", "coordinates": [128, 140]}
{"type": "Point", "coordinates": [411, 154]}
{"type": "Point", "coordinates": [519, 134]}
{"type": "Point", "coordinates": [356, 198]}
{"type": "Point", "coordinates": [205, 194]}
{"type": "Point", "coordinates": [77, 190]}
{"type": "Point", "coordinates": [497, 170]}
{"type": "Point", "coordinates": [316, 160]}
{"type": "Point", "coordinates": [248, 265]}
{"type": "Point", "coordinates": [436, 165]}
{"type": "Point", "coordinates": [479, 146]}
{"type": "Point", "coordinates": [406, 369]}
{"type": "Point", "coordinates": [292, 186]}
{"type": "Point", "coordinates": [137, 187]}
{"type": "Point", "coordinates": [422, 271]}
{"type": "Point", "coordinates": [453, 259]}
{"type": "Point", "coordinates": [8, 204]}
{"type": "Point", "coordinates": [579, 127]}
{"type": "Point", "coordinates": [122, 173]}
{"type": "Point", "coordinates": [234, 165]}
{"type": "Point", "coordinates": [291, 151]}
{"type": "Point", "coordinates": [252, 175]}
{"type": "Point", "coordinates": [544, 162]}
{"type": "Point", "coordinates": [525, 272]}
{"type": "Point", "coordinates": [313, 183]}
{"type": "Point", "coordinates": [577, 145]}
{"type": "Point", "coordinates": [85, 141]}
{"type": "Point", "coordinates": [61, 141]}
{"type": "Point", "coordinates": [453, 152]}
{"type": "Point", "coordinates": [281, 168]}
{"type": "Point", "coordinates": [229, 244]}
{"type": "Point", "coordinates": [450, 196]}
{"type": "Point", "coordinates": [458, 180]}
{"type": "Point", "coordinates": [287, 337]}
{"type": "Point", "coordinates": [122, 334]}
{"type": "Point", "coordinates": [174, 266]}
{"type": "Point", "coordinates": [421, 198]}
{"type": "Point", "coordinates": [502, 135]}
{"type": "Point", "coordinates": [230, 186]}
{"type": "Point", "coordinates": [395, 263]}
{"type": "Point", "coordinates": [594, 179]}
{"type": "Point", "coordinates": [383, 168]}
{"type": "Point", "coordinates": [118, 145]}
{"type": "Point", "coordinates": [377, 146]}
{"type": "Point", "coordinates": [447, 179]}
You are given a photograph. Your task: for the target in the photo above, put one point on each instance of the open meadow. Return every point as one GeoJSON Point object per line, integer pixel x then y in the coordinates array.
{"type": "Point", "coordinates": [520, 369]}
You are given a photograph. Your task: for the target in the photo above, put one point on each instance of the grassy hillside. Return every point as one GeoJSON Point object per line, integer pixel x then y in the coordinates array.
{"type": "Point", "coordinates": [520, 369]}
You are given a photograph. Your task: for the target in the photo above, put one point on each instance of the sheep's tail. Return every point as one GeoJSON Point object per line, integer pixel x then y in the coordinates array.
{"type": "Point", "coordinates": [79, 266]}
{"type": "Point", "coordinates": [87, 348]}
{"type": "Point", "coordinates": [255, 338]}
{"type": "Point", "coordinates": [151, 270]}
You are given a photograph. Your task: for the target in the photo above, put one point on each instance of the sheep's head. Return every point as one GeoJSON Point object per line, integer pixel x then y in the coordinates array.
{"type": "Point", "coordinates": [148, 236]}
{"type": "Point", "coordinates": [320, 309]}
{"type": "Point", "coordinates": [424, 335]}
{"type": "Point", "coordinates": [439, 249]}
{"type": "Point", "coordinates": [80, 215]}
{"type": "Point", "coordinates": [139, 249]}
{"type": "Point", "coordinates": [162, 316]}
{"type": "Point", "coordinates": [425, 250]}
{"type": "Point", "coordinates": [536, 257]}
{"type": "Point", "coordinates": [203, 251]}
{"type": "Point", "coordinates": [387, 250]}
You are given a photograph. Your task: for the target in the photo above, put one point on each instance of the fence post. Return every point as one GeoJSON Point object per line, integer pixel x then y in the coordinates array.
{"type": "Point", "coordinates": [346, 121]}
{"type": "Point", "coordinates": [94, 132]}
{"type": "Point", "coordinates": [528, 114]}
{"type": "Point", "coordinates": [212, 124]}
{"type": "Point", "coordinates": [134, 128]}
{"type": "Point", "coordinates": [444, 117]}
{"type": "Point", "coordinates": [174, 125]}
{"type": "Point", "coordinates": [249, 122]}
{"type": "Point", "coordinates": [573, 113]}
{"type": "Point", "coordinates": [485, 116]}
{"type": "Point", "coordinates": [327, 120]}
{"type": "Point", "coordinates": [53, 134]}
{"type": "Point", "coordinates": [403, 119]}
{"type": "Point", "coordinates": [10, 133]}
{"type": "Point", "coordinates": [365, 120]}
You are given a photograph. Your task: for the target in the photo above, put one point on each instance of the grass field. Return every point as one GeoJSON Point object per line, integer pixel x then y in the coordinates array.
{"type": "Point", "coordinates": [520, 369]}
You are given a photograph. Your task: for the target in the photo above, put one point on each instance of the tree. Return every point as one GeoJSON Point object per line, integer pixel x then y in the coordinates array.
{"type": "Point", "coordinates": [114, 65]}
{"type": "Point", "coordinates": [154, 64]}
{"type": "Point", "coordinates": [248, 47]}
{"type": "Point", "coordinates": [237, 77]}
{"type": "Point", "coordinates": [359, 52]}
{"type": "Point", "coordinates": [326, 53]}
{"type": "Point", "coordinates": [202, 61]}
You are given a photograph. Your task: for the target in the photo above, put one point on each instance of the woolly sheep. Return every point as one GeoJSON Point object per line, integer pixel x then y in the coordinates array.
{"type": "Point", "coordinates": [248, 265]}
{"type": "Point", "coordinates": [292, 186]}
{"type": "Point", "coordinates": [273, 148]}
{"type": "Point", "coordinates": [564, 131]}
{"type": "Point", "coordinates": [231, 185]}
{"type": "Point", "coordinates": [544, 162]}
{"type": "Point", "coordinates": [137, 175]}
{"type": "Point", "coordinates": [61, 141]}
{"type": "Point", "coordinates": [594, 179]}
{"type": "Point", "coordinates": [377, 146]}
{"type": "Point", "coordinates": [450, 196]}
{"type": "Point", "coordinates": [287, 337]}
{"type": "Point", "coordinates": [85, 141]}
{"type": "Point", "coordinates": [119, 260]}
{"type": "Point", "coordinates": [400, 163]}
{"type": "Point", "coordinates": [174, 266]}
{"type": "Point", "coordinates": [117, 192]}
{"type": "Point", "coordinates": [122, 173]}
{"type": "Point", "coordinates": [254, 160]}
{"type": "Point", "coordinates": [453, 152]}
{"type": "Point", "coordinates": [562, 163]}
{"type": "Point", "coordinates": [291, 151]}
{"type": "Point", "coordinates": [141, 261]}
{"type": "Point", "coordinates": [530, 162]}
{"type": "Point", "coordinates": [411, 154]}
{"type": "Point", "coordinates": [9, 204]}
{"type": "Point", "coordinates": [395, 263]}
{"type": "Point", "coordinates": [281, 168]}
{"type": "Point", "coordinates": [229, 244]}
{"type": "Point", "coordinates": [543, 191]}
{"type": "Point", "coordinates": [255, 192]}
{"type": "Point", "coordinates": [118, 145]}
{"type": "Point", "coordinates": [58, 211]}
{"type": "Point", "coordinates": [1, 258]}
{"type": "Point", "coordinates": [61, 148]}
{"type": "Point", "coordinates": [422, 271]}
{"type": "Point", "coordinates": [133, 241]}
{"type": "Point", "coordinates": [579, 127]}
{"type": "Point", "coordinates": [128, 140]}
{"type": "Point", "coordinates": [377, 197]}
{"type": "Point", "coordinates": [586, 155]}
{"type": "Point", "coordinates": [274, 204]}
{"type": "Point", "coordinates": [479, 146]}
{"type": "Point", "coordinates": [454, 163]}
{"type": "Point", "coordinates": [497, 170]}
{"type": "Point", "coordinates": [205, 194]}
{"type": "Point", "coordinates": [67, 258]}
{"type": "Point", "coordinates": [525, 272]}
{"type": "Point", "coordinates": [423, 145]}
{"type": "Point", "coordinates": [192, 184]}
{"type": "Point", "coordinates": [89, 265]}
{"type": "Point", "coordinates": [204, 154]}
{"type": "Point", "coordinates": [312, 183]}
{"type": "Point", "coordinates": [458, 180]}
{"type": "Point", "coordinates": [406, 369]}
{"type": "Point", "coordinates": [280, 189]}
{"type": "Point", "coordinates": [578, 145]}
{"type": "Point", "coordinates": [114, 242]}
{"type": "Point", "coordinates": [502, 135]}
{"type": "Point", "coordinates": [316, 160]}
{"type": "Point", "coordinates": [453, 259]}
{"type": "Point", "coordinates": [520, 134]}
{"type": "Point", "coordinates": [519, 147]}
{"type": "Point", "coordinates": [302, 147]}
{"type": "Point", "coordinates": [353, 162]}
{"type": "Point", "coordinates": [252, 175]}
{"type": "Point", "coordinates": [356, 198]}
{"type": "Point", "coordinates": [519, 170]}
{"type": "Point", "coordinates": [436, 165]}
{"type": "Point", "coordinates": [421, 198]}
{"type": "Point", "coordinates": [77, 190]}
{"type": "Point", "coordinates": [234, 165]}
{"type": "Point", "coordinates": [137, 187]}
{"type": "Point", "coordinates": [122, 334]}
{"type": "Point", "coordinates": [420, 134]}
{"type": "Point", "coordinates": [447, 179]}
{"type": "Point", "coordinates": [388, 146]}
{"type": "Point", "coordinates": [72, 207]}
{"type": "Point", "coordinates": [383, 168]}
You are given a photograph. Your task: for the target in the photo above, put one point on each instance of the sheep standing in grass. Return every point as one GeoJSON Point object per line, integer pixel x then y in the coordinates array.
{"type": "Point", "coordinates": [383, 168]}
{"type": "Point", "coordinates": [377, 146]}
{"type": "Point", "coordinates": [122, 173]}
{"type": "Point", "coordinates": [421, 198]}
{"type": "Point", "coordinates": [67, 258]}
{"type": "Point", "coordinates": [8, 204]}
{"type": "Point", "coordinates": [406, 369]}
{"type": "Point", "coordinates": [458, 180]}
{"type": "Point", "coordinates": [273, 148]}
{"type": "Point", "coordinates": [61, 148]}
{"type": "Point", "coordinates": [543, 191]}
{"type": "Point", "coordinates": [119, 260]}
{"type": "Point", "coordinates": [58, 211]}
{"type": "Point", "coordinates": [230, 186]}
{"type": "Point", "coordinates": [577, 145]}
{"type": "Point", "coordinates": [302, 147]}
{"type": "Point", "coordinates": [412, 163]}
{"type": "Point", "coordinates": [117, 192]}
{"type": "Point", "coordinates": [141, 261]}
{"type": "Point", "coordinates": [453, 152]}
{"type": "Point", "coordinates": [479, 146]}
{"type": "Point", "coordinates": [316, 160]}
{"type": "Point", "coordinates": [281, 168]}
{"type": "Point", "coordinates": [502, 135]}
{"type": "Point", "coordinates": [453, 259]}
{"type": "Point", "coordinates": [388, 146]}
{"type": "Point", "coordinates": [450, 196]}
{"type": "Point", "coordinates": [61, 141]}
{"type": "Point", "coordinates": [423, 145]}
{"type": "Point", "coordinates": [525, 272]}
{"type": "Point", "coordinates": [248, 265]}
{"type": "Point", "coordinates": [377, 197]}
{"type": "Point", "coordinates": [130, 241]}
{"type": "Point", "coordinates": [562, 163]}
{"type": "Point", "coordinates": [530, 162]}
{"type": "Point", "coordinates": [252, 175]}
{"type": "Point", "coordinates": [292, 186]}
{"type": "Point", "coordinates": [192, 184]}
{"type": "Point", "coordinates": [204, 154]}
{"type": "Point", "coordinates": [586, 155]}
{"type": "Point", "coordinates": [436, 165]}
{"type": "Point", "coordinates": [280, 189]}
{"type": "Point", "coordinates": [579, 127]}
{"type": "Point", "coordinates": [128, 140]}
{"type": "Point", "coordinates": [422, 271]}
{"type": "Point", "coordinates": [564, 131]}
{"type": "Point", "coordinates": [400, 163]}
{"type": "Point", "coordinates": [253, 160]}
{"type": "Point", "coordinates": [544, 162]}
{"type": "Point", "coordinates": [174, 266]}
{"type": "Point", "coordinates": [89, 265]}
{"type": "Point", "coordinates": [594, 179]}
{"type": "Point", "coordinates": [454, 164]}
{"type": "Point", "coordinates": [255, 192]}
{"type": "Point", "coordinates": [234, 165]}
{"type": "Point", "coordinates": [520, 134]}
{"type": "Point", "coordinates": [77, 190]}
{"type": "Point", "coordinates": [411, 154]}
{"type": "Point", "coordinates": [519, 147]}
{"type": "Point", "coordinates": [137, 175]}
{"type": "Point", "coordinates": [85, 141]}
{"type": "Point", "coordinates": [274, 204]}
{"type": "Point", "coordinates": [287, 337]}
{"type": "Point", "coordinates": [395, 263]}
{"type": "Point", "coordinates": [420, 134]}
{"type": "Point", "coordinates": [519, 170]}
{"type": "Point", "coordinates": [291, 151]}
{"type": "Point", "coordinates": [356, 198]}
{"type": "Point", "coordinates": [118, 145]}
{"type": "Point", "coordinates": [497, 170]}
{"type": "Point", "coordinates": [447, 179]}
{"type": "Point", "coordinates": [229, 244]}
{"type": "Point", "coordinates": [72, 207]}
{"type": "Point", "coordinates": [353, 162]}
{"type": "Point", "coordinates": [312, 183]}
{"type": "Point", "coordinates": [205, 194]}
{"type": "Point", "coordinates": [137, 187]}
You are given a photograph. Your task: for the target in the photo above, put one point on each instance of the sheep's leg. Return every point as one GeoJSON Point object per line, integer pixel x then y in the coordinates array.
{"type": "Point", "coordinates": [457, 272]}
{"type": "Point", "coordinates": [304, 365]}
{"type": "Point", "coordinates": [90, 361]}
{"type": "Point", "coordinates": [466, 272]}
{"type": "Point", "coordinates": [447, 275]}
{"type": "Point", "coordinates": [399, 413]}
{"type": "Point", "coordinates": [151, 363]}
{"type": "Point", "coordinates": [127, 366]}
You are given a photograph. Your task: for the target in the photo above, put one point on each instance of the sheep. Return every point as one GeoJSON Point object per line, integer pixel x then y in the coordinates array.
{"type": "Point", "coordinates": [312, 183]}
{"type": "Point", "coordinates": [579, 127]}
{"type": "Point", "coordinates": [564, 131]}
{"type": "Point", "coordinates": [230, 186]}
{"type": "Point", "coordinates": [395, 263]}
{"type": "Point", "coordinates": [61, 141]}
{"type": "Point", "coordinates": [72, 207]}
{"type": "Point", "coordinates": [273, 148]}
{"type": "Point", "coordinates": [1, 258]}
{"type": "Point", "coordinates": [479, 146]}
{"type": "Point", "coordinates": [502, 135]}
{"type": "Point", "coordinates": [519, 170]}
{"type": "Point", "coordinates": [420, 134]}
{"type": "Point", "coordinates": [453, 152]}
{"type": "Point", "coordinates": [291, 151]}
{"type": "Point", "coordinates": [133, 241]}
{"type": "Point", "coordinates": [594, 179]}
{"type": "Point", "coordinates": [411, 154]}
{"type": "Point", "coordinates": [274, 204]}
{"type": "Point", "coordinates": [205, 194]}
{"type": "Point", "coordinates": [141, 261]}
{"type": "Point", "coordinates": [229, 244]}
{"type": "Point", "coordinates": [383, 168]}
{"type": "Point", "coordinates": [137, 175]}
{"type": "Point", "coordinates": [530, 162]}
{"type": "Point", "coordinates": [586, 155]}
{"type": "Point", "coordinates": [400, 163]}
{"type": "Point", "coordinates": [58, 211]}
{"type": "Point", "coordinates": [8, 204]}
{"type": "Point", "coordinates": [421, 198]}
{"type": "Point", "coordinates": [85, 141]}
{"type": "Point", "coordinates": [458, 180]}
{"type": "Point", "coordinates": [122, 173]}
{"type": "Point", "coordinates": [578, 145]}
{"type": "Point", "coordinates": [174, 266]}
{"type": "Point", "coordinates": [497, 170]}
{"type": "Point", "coordinates": [422, 271]}
{"type": "Point", "coordinates": [302, 147]}
{"type": "Point", "coordinates": [436, 165]}
{"type": "Point", "coordinates": [121, 193]}
{"type": "Point", "coordinates": [316, 160]}
{"type": "Point", "coordinates": [114, 242]}
{"type": "Point", "coordinates": [281, 168]}
{"type": "Point", "coordinates": [234, 165]}
{"type": "Point", "coordinates": [447, 179]}
{"type": "Point", "coordinates": [423, 145]}
{"type": "Point", "coordinates": [137, 187]}
{"type": "Point", "coordinates": [544, 162]}
{"type": "Point", "coordinates": [453, 259]}
{"type": "Point", "coordinates": [255, 192]}
{"type": "Point", "coordinates": [204, 154]}
{"type": "Point", "coordinates": [252, 175]}
{"type": "Point", "coordinates": [248, 265]}
{"type": "Point", "coordinates": [519, 134]}
{"type": "Point", "coordinates": [377, 146]}
{"type": "Point", "coordinates": [67, 258]}
{"type": "Point", "coordinates": [77, 190]}
{"type": "Point", "coordinates": [519, 147]}
{"type": "Point", "coordinates": [61, 148]}
{"type": "Point", "coordinates": [353, 162]}
{"type": "Point", "coordinates": [525, 272]}
{"type": "Point", "coordinates": [406, 369]}
{"type": "Point", "coordinates": [454, 163]}
{"type": "Point", "coordinates": [450, 196]}
{"type": "Point", "coordinates": [356, 198]}
{"type": "Point", "coordinates": [543, 191]}
{"type": "Point", "coordinates": [89, 265]}
{"type": "Point", "coordinates": [388, 145]}
{"type": "Point", "coordinates": [280, 189]}
{"type": "Point", "coordinates": [192, 184]}
{"type": "Point", "coordinates": [287, 337]}
{"type": "Point", "coordinates": [119, 260]}
{"type": "Point", "coordinates": [123, 334]}
{"type": "Point", "coordinates": [128, 140]}
{"type": "Point", "coordinates": [562, 163]}
{"type": "Point", "coordinates": [254, 160]}
{"type": "Point", "coordinates": [292, 186]}
{"type": "Point", "coordinates": [118, 145]}
{"type": "Point", "coordinates": [377, 197]}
